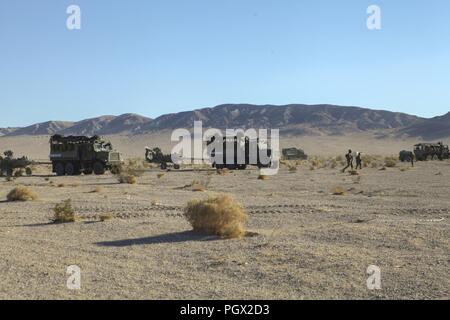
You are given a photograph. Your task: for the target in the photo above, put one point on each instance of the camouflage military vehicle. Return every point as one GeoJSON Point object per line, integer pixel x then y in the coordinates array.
{"type": "Point", "coordinates": [294, 154]}
{"type": "Point", "coordinates": [155, 155]}
{"type": "Point", "coordinates": [74, 155]}
{"type": "Point", "coordinates": [425, 151]}
{"type": "Point", "coordinates": [10, 166]}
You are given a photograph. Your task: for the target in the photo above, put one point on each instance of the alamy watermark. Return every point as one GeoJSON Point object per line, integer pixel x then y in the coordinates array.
{"type": "Point", "coordinates": [73, 21]}
{"type": "Point", "coordinates": [236, 148]}
{"type": "Point", "coordinates": [74, 279]}
{"type": "Point", "coordinates": [374, 20]}
{"type": "Point", "coordinates": [374, 279]}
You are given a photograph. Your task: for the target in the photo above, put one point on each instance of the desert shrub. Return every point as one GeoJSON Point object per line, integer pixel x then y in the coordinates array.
{"type": "Point", "coordinates": [292, 167]}
{"type": "Point", "coordinates": [97, 190]}
{"type": "Point", "coordinates": [129, 171]}
{"type": "Point", "coordinates": [160, 175]}
{"type": "Point", "coordinates": [63, 212]}
{"type": "Point", "coordinates": [201, 185]}
{"type": "Point", "coordinates": [21, 193]}
{"type": "Point", "coordinates": [353, 173]}
{"type": "Point", "coordinates": [338, 191]}
{"type": "Point", "coordinates": [127, 178]}
{"type": "Point", "coordinates": [221, 216]}
{"type": "Point", "coordinates": [222, 172]}
{"type": "Point", "coordinates": [390, 162]}
{"type": "Point", "coordinates": [105, 217]}
{"type": "Point", "coordinates": [262, 177]}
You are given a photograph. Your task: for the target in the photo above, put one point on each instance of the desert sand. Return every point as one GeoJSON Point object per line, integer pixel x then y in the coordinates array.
{"type": "Point", "coordinates": [306, 243]}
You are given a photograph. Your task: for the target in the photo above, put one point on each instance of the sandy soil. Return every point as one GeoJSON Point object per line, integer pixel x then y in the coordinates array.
{"type": "Point", "coordinates": [311, 244]}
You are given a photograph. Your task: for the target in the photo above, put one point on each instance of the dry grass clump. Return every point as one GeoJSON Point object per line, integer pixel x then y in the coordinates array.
{"type": "Point", "coordinates": [21, 193]}
{"type": "Point", "coordinates": [292, 167]}
{"type": "Point", "coordinates": [353, 173]}
{"type": "Point", "coordinates": [338, 191]}
{"type": "Point", "coordinates": [105, 217]}
{"type": "Point", "coordinates": [160, 175]}
{"type": "Point", "coordinates": [222, 172]}
{"type": "Point", "coordinates": [126, 178]}
{"type": "Point", "coordinates": [221, 216]}
{"type": "Point", "coordinates": [262, 177]}
{"type": "Point", "coordinates": [63, 212]}
{"type": "Point", "coordinates": [200, 185]}
{"type": "Point", "coordinates": [97, 190]}
{"type": "Point", "coordinates": [390, 162]}
{"type": "Point", "coordinates": [61, 185]}
{"type": "Point", "coordinates": [129, 171]}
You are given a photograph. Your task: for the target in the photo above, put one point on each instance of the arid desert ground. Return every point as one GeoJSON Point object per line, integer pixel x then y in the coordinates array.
{"type": "Point", "coordinates": [305, 243]}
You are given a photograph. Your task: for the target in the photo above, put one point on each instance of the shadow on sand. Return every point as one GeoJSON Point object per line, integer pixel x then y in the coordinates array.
{"type": "Point", "coordinates": [174, 237]}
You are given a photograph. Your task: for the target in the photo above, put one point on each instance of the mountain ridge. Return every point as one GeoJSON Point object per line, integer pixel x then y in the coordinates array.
{"type": "Point", "coordinates": [292, 119]}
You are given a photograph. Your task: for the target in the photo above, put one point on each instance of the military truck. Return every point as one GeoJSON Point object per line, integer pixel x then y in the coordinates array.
{"type": "Point", "coordinates": [74, 155]}
{"type": "Point", "coordinates": [294, 154]}
{"type": "Point", "coordinates": [425, 151]}
{"type": "Point", "coordinates": [10, 165]}
{"type": "Point", "coordinates": [156, 155]}
{"type": "Point", "coordinates": [241, 146]}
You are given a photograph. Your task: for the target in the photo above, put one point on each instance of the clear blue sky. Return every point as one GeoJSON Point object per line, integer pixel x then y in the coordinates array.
{"type": "Point", "coordinates": [159, 56]}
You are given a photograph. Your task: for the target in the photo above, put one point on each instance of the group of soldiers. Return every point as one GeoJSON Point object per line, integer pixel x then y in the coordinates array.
{"type": "Point", "coordinates": [349, 158]}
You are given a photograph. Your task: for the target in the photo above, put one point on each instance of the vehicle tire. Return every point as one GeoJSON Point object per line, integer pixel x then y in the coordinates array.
{"type": "Point", "coordinates": [59, 169]}
{"type": "Point", "coordinates": [28, 171]}
{"type": "Point", "coordinates": [176, 166]}
{"type": "Point", "coordinates": [70, 169]}
{"type": "Point", "coordinates": [99, 168]}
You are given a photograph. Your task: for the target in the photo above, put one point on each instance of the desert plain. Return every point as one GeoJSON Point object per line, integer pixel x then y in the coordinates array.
{"type": "Point", "coordinates": [313, 232]}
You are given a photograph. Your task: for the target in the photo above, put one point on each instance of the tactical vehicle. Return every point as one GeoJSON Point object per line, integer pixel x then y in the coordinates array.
{"type": "Point", "coordinates": [10, 165]}
{"type": "Point", "coordinates": [425, 151]}
{"type": "Point", "coordinates": [294, 154]}
{"type": "Point", "coordinates": [74, 155]}
{"type": "Point", "coordinates": [242, 146]}
{"type": "Point", "coordinates": [406, 156]}
{"type": "Point", "coordinates": [155, 155]}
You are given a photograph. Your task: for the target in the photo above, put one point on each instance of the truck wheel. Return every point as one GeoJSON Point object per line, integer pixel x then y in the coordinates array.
{"type": "Point", "coordinates": [99, 168]}
{"type": "Point", "coordinates": [28, 171]}
{"type": "Point", "coordinates": [59, 169]}
{"type": "Point", "coordinates": [70, 169]}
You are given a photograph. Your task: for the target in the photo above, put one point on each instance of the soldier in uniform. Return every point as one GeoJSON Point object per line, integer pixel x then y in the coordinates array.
{"type": "Point", "coordinates": [358, 161]}
{"type": "Point", "coordinates": [349, 158]}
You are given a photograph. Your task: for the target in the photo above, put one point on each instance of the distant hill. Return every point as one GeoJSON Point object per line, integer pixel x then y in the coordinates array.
{"type": "Point", "coordinates": [44, 128]}
{"type": "Point", "coordinates": [292, 119]}
{"type": "Point", "coordinates": [295, 119]}
{"type": "Point", "coordinates": [430, 129]}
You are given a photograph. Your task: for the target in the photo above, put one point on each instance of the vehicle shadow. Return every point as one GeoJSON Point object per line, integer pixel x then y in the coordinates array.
{"type": "Point", "coordinates": [175, 237]}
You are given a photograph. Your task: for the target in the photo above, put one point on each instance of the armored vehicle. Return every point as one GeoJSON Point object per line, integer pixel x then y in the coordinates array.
{"type": "Point", "coordinates": [9, 164]}
{"type": "Point", "coordinates": [294, 154]}
{"type": "Point", "coordinates": [425, 151]}
{"type": "Point", "coordinates": [155, 155]}
{"type": "Point", "coordinates": [74, 155]}
{"type": "Point", "coordinates": [242, 146]}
